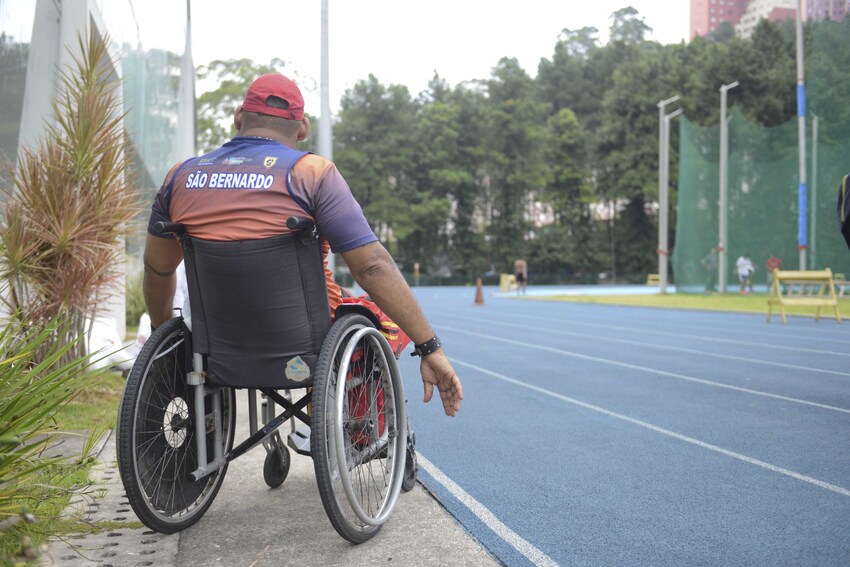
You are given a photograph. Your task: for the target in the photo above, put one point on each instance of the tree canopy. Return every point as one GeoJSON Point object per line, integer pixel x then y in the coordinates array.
{"type": "Point", "coordinates": [561, 167]}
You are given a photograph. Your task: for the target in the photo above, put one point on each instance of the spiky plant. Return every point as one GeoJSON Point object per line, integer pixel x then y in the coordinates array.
{"type": "Point", "coordinates": [35, 385]}
{"type": "Point", "coordinates": [70, 204]}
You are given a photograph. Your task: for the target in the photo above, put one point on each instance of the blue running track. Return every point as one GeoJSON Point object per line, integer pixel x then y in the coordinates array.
{"type": "Point", "coordinates": [598, 435]}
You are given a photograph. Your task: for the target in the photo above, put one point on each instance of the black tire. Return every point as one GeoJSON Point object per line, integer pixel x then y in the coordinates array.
{"type": "Point", "coordinates": [372, 431]}
{"type": "Point", "coordinates": [411, 466]}
{"type": "Point", "coordinates": [156, 435]}
{"type": "Point", "coordinates": [276, 466]}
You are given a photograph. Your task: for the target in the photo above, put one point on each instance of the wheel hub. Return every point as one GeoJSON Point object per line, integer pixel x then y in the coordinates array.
{"type": "Point", "coordinates": [175, 421]}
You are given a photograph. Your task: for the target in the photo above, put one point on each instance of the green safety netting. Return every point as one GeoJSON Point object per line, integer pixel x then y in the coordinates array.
{"type": "Point", "coordinates": [763, 178]}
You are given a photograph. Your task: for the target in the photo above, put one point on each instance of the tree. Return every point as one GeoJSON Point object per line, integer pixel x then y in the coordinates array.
{"type": "Point", "coordinates": [216, 107]}
{"type": "Point", "coordinates": [568, 190]}
{"type": "Point", "coordinates": [515, 155]}
{"type": "Point", "coordinates": [373, 150]}
{"type": "Point", "coordinates": [628, 27]}
{"type": "Point", "coordinates": [567, 80]}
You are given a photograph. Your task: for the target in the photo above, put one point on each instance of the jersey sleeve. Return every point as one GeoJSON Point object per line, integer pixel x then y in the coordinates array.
{"type": "Point", "coordinates": [160, 207]}
{"type": "Point", "coordinates": [338, 214]}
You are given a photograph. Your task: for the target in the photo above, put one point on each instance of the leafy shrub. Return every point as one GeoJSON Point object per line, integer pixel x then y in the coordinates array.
{"type": "Point", "coordinates": [36, 384]}
{"type": "Point", "coordinates": [134, 299]}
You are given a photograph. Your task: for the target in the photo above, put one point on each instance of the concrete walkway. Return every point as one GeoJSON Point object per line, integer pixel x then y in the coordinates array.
{"type": "Point", "coordinates": [252, 525]}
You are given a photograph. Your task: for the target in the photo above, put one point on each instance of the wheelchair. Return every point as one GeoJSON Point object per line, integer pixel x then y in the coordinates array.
{"type": "Point", "coordinates": [259, 320]}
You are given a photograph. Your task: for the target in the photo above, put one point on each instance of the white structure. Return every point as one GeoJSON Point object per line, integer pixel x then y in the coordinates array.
{"type": "Point", "coordinates": [150, 53]}
{"type": "Point", "coordinates": [758, 10]}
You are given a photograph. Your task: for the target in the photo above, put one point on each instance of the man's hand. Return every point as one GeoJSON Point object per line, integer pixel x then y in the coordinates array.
{"type": "Point", "coordinates": [437, 371]}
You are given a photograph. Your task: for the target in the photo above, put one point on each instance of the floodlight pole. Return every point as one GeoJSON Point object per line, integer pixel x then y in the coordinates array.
{"type": "Point", "coordinates": [663, 168]}
{"type": "Point", "coordinates": [722, 222]}
{"type": "Point", "coordinates": [325, 135]}
{"type": "Point", "coordinates": [802, 229]}
{"type": "Point", "coordinates": [814, 213]}
{"type": "Point", "coordinates": [325, 145]}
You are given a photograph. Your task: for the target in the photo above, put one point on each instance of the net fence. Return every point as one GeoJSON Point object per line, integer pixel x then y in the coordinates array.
{"type": "Point", "coordinates": [763, 179]}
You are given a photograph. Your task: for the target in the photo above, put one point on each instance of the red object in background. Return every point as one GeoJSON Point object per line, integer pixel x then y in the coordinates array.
{"type": "Point", "coordinates": [368, 395]}
{"type": "Point", "coordinates": [397, 338]}
{"type": "Point", "coordinates": [774, 263]}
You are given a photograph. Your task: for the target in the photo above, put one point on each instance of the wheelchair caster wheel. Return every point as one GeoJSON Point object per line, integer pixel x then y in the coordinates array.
{"type": "Point", "coordinates": [276, 466]}
{"type": "Point", "coordinates": [411, 467]}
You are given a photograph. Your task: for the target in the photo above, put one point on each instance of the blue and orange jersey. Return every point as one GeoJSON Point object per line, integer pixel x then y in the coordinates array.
{"type": "Point", "coordinates": [246, 190]}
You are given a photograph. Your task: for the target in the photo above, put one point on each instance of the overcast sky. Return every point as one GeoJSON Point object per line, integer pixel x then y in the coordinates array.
{"type": "Point", "coordinates": [406, 42]}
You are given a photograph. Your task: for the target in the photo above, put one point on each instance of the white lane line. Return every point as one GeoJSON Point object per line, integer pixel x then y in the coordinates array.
{"type": "Point", "coordinates": [685, 335]}
{"type": "Point", "coordinates": [817, 333]}
{"type": "Point", "coordinates": [649, 345]}
{"type": "Point", "coordinates": [646, 369]}
{"type": "Point", "coordinates": [805, 478]}
{"type": "Point", "coordinates": [486, 516]}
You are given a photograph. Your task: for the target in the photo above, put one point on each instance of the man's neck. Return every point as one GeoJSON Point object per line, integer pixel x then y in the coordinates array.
{"type": "Point", "coordinates": [268, 134]}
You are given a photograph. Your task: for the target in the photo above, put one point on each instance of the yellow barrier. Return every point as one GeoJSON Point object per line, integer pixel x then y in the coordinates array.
{"type": "Point", "coordinates": [820, 280]}
{"type": "Point", "coordinates": [507, 282]}
{"type": "Point", "coordinates": [653, 279]}
{"type": "Point", "coordinates": [841, 283]}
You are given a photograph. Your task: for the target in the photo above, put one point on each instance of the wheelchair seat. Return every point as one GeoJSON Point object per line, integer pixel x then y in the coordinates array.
{"type": "Point", "coordinates": [260, 321]}
{"type": "Point", "coordinates": [259, 309]}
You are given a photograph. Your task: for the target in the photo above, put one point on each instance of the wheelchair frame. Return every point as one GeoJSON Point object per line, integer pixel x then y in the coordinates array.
{"type": "Point", "coordinates": [359, 419]}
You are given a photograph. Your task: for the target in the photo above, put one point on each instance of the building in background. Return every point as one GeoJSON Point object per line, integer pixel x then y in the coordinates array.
{"type": "Point", "coordinates": [757, 10]}
{"type": "Point", "coordinates": [149, 52]}
{"type": "Point", "coordinates": [835, 10]}
{"type": "Point", "coordinates": [744, 15]}
{"type": "Point", "coordinates": [708, 15]}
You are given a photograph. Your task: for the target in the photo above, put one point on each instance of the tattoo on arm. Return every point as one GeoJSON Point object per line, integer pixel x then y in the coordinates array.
{"type": "Point", "coordinates": [150, 268]}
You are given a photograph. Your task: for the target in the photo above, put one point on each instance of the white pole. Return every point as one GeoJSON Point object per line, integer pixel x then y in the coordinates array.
{"type": "Point", "coordinates": [662, 194]}
{"type": "Point", "coordinates": [665, 200]}
{"type": "Point", "coordinates": [325, 133]}
{"type": "Point", "coordinates": [814, 214]}
{"type": "Point", "coordinates": [802, 231]}
{"type": "Point", "coordinates": [724, 154]}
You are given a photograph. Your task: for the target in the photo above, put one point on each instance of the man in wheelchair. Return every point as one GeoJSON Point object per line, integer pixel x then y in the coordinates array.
{"type": "Point", "coordinates": [247, 218]}
{"type": "Point", "coordinates": [252, 185]}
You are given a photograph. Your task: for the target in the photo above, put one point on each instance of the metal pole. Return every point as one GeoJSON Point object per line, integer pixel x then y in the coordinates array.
{"type": "Point", "coordinates": [724, 154]}
{"type": "Point", "coordinates": [662, 195]}
{"type": "Point", "coordinates": [325, 133]}
{"type": "Point", "coordinates": [814, 214]}
{"type": "Point", "coordinates": [664, 202]}
{"type": "Point", "coordinates": [802, 229]}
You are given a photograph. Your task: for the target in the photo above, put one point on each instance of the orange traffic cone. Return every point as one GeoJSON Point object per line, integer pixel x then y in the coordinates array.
{"type": "Point", "coordinates": [479, 292]}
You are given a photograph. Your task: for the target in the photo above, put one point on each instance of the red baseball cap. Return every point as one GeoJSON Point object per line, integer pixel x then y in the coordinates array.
{"type": "Point", "coordinates": [274, 84]}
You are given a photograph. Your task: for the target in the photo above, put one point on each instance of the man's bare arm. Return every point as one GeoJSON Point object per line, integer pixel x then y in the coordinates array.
{"type": "Point", "coordinates": [374, 269]}
{"type": "Point", "coordinates": [162, 256]}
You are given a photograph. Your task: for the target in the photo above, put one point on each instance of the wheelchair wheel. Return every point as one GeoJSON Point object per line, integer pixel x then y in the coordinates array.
{"type": "Point", "coordinates": [411, 466]}
{"type": "Point", "coordinates": [359, 430]}
{"type": "Point", "coordinates": [276, 465]}
{"type": "Point", "coordinates": [157, 450]}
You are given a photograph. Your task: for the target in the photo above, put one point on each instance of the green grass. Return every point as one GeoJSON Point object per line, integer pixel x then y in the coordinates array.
{"type": "Point", "coordinates": [95, 408]}
{"type": "Point", "coordinates": [753, 303]}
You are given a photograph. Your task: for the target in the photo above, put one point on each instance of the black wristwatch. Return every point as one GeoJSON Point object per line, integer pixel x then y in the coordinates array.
{"type": "Point", "coordinates": [430, 346]}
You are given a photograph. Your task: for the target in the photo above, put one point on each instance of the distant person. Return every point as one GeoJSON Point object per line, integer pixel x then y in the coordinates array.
{"type": "Point", "coordinates": [844, 208]}
{"type": "Point", "coordinates": [745, 268]}
{"type": "Point", "coordinates": [773, 263]}
{"type": "Point", "coordinates": [521, 275]}
{"type": "Point", "coordinates": [709, 262]}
